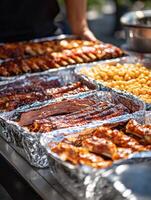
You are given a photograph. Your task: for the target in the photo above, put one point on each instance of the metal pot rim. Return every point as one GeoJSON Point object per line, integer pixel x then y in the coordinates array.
{"type": "Point", "coordinates": [127, 18]}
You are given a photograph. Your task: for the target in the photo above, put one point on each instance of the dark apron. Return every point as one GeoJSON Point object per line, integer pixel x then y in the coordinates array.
{"type": "Point", "coordinates": [27, 19]}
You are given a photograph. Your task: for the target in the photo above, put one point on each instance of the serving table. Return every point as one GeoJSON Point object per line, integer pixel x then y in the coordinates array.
{"type": "Point", "coordinates": [20, 178]}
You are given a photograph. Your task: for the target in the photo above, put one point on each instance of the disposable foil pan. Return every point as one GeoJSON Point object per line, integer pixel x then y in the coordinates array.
{"type": "Point", "coordinates": [136, 166]}
{"type": "Point", "coordinates": [30, 142]}
{"type": "Point", "coordinates": [85, 182]}
{"type": "Point", "coordinates": [59, 37]}
{"type": "Point", "coordinates": [130, 180]}
{"type": "Point", "coordinates": [5, 79]}
{"type": "Point", "coordinates": [128, 59]}
{"type": "Point", "coordinates": [63, 77]}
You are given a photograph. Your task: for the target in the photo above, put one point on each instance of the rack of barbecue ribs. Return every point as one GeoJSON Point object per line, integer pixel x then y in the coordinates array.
{"type": "Point", "coordinates": [61, 55]}
{"type": "Point", "coordinates": [31, 48]}
{"type": "Point", "coordinates": [15, 95]}
{"type": "Point", "coordinates": [69, 113]}
{"type": "Point", "coordinates": [99, 147]}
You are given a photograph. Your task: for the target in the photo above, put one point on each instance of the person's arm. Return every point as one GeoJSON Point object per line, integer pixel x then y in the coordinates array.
{"type": "Point", "coordinates": [76, 14]}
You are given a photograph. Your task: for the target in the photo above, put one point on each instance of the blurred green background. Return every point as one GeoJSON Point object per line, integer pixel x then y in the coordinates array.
{"type": "Point", "coordinates": [97, 4]}
{"type": "Point", "coordinates": [91, 3]}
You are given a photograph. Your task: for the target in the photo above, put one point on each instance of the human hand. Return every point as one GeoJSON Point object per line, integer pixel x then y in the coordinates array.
{"type": "Point", "coordinates": [86, 34]}
{"type": "Point", "coordinates": [76, 14]}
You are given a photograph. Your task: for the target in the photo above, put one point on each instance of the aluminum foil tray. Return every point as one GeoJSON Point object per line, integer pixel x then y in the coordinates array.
{"type": "Point", "coordinates": [88, 183]}
{"type": "Point", "coordinates": [30, 142]}
{"type": "Point", "coordinates": [58, 37]}
{"type": "Point", "coordinates": [59, 78]}
{"type": "Point", "coordinates": [128, 59]}
{"type": "Point", "coordinates": [62, 76]}
{"type": "Point", "coordinates": [135, 166]}
{"type": "Point", "coordinates": [72, 67]}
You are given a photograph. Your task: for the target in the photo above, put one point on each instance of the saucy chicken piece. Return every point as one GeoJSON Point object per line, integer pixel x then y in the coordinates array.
{"type": "Point", "coordinates": [79, 155]}
{"type": "Point", "coordinates": [141, 131]}
{"type": "Point", "coordinates": [104, 144]}
{"type": "Point", "coordinates": [118, 138]}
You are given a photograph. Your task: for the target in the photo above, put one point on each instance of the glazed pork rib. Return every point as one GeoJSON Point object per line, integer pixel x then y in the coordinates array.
{"type": "Point", "coordinates": [118, 138]}
{"type": "Point", "coordinates": [24, 49]}
{"type": "Point", "coordinates": [80, 155]}
{"type": "Point", "coordinates": [141, 131]}
{"type": "Point", "coordinates": [101, 146]}
{"type": "Point", "coordinates": [69, 113]}
{"type": "Point", "coordinates": [27, 86]}
{"type": "Point", "coordinates": [57, 59]}
{"type": "Point", "coordinates": [57, 122]}
{"type": "Point", "coordinates": [57, 108]}
{"type": "Point", "coordinates": [32, 64]}
{"type": "Point", "coordinates": [12, 99]}
{"type": "Point", "coordinates": [108, 144]}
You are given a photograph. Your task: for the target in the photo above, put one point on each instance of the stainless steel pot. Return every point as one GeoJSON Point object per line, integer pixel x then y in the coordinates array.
{"type": "Point", "coordinates": [138, 30]}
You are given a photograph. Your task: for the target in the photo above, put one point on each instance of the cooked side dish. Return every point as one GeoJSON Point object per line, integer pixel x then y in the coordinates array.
{"type": "Point", "coordinates": [40, 56]}
{"type": "Point", "coordinates": [100, 147]}
{"type": "Point", "coordinates": [133, 78]}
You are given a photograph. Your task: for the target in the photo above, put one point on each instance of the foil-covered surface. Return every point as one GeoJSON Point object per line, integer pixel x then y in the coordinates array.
{"type": "Point", "coordinates": [57, 37]}
{"type": "Point", "coordinates": [30, 141]}
{"type": "Point", "coordinates": [53, 70]}
{"type": "Point", "coordinates": [130, 180]}
{"type": "Point", "coordinates": [115, 176]}
{"type": "Point", "coordinates": [127, 59]}
{"type": "Point", "coordinates": [61, 77]}
{"type": "Point", "coordinates": [88, 183]}
{"type": "Point", "coordinates": [13, 134]}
